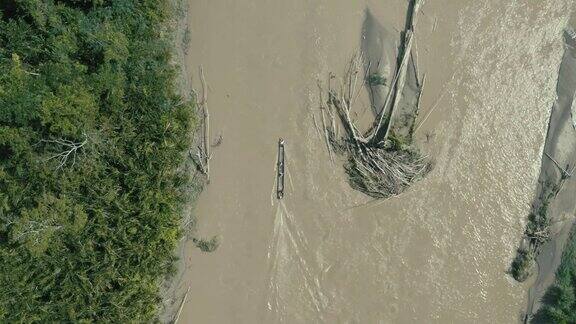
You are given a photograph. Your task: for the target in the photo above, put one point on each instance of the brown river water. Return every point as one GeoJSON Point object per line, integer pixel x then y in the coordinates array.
{"type": "Point", "coordinates": [326, 253]}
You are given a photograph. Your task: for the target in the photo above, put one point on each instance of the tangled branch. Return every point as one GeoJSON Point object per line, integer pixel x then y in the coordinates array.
{"type": "Point", "coordinates": [380, 163]}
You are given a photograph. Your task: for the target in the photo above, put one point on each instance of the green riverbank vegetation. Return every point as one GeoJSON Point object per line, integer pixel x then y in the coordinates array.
{"type": "Point", "coordinates": [559, 303]}
{"type": "Point", "coordinates": [92, 139]}
{"type": "Point", "coordinates": [537, 233]}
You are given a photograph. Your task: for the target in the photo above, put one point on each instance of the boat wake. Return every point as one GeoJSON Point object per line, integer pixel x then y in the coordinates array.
{"type": "Point", "coordinates": [292, 274]}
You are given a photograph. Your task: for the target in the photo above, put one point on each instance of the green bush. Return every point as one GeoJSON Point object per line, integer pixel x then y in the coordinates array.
{"type": "Point", "coordinates": [537, 233]}
{"type": "Point", "coordinates": [522, 265]}
{"type": "Point", "coordinates": [91, 137]}
{"type": "Point", "coordinates": [207, 245]}
{"type": "Point", "coordinates": [559, 304]}
{"type": "Point", "coordinates": [376, 79]}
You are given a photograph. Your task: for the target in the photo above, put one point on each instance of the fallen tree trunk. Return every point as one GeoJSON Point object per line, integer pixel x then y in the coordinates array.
{"type": "Point", "coordinates": [382, 130]}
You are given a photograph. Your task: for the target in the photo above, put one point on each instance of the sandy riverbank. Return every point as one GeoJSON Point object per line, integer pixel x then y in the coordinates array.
{"type": "Point", "coordinates": [559, 157]}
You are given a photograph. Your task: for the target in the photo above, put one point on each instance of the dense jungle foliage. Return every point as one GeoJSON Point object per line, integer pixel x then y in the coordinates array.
{"type": "Point", "coordinates": [559, 304]}
{"type": "Point", "coordinates": [92, 132]}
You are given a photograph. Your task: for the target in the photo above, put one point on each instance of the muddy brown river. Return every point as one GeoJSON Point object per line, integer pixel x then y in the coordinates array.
{"type": "Point", "coordinates": [326, 253]}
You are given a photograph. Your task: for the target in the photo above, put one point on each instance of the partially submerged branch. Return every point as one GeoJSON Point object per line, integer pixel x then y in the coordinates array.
{"type": "Point", "coordinates": [205, 152]}
{"type": "Point", "coordinates": [175, 321]}
{"type": "Point", "coordinates": [203, 155]}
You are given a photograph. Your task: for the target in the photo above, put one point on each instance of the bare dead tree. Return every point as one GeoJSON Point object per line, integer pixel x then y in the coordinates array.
{"type": "Point", "coordinates": [33, 230]}
{"type": "Point", "coordinates": [70, 150]}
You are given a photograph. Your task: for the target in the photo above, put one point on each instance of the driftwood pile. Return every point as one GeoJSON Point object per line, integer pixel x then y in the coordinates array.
{"type": "Point", "coordinates": [380, 164]}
